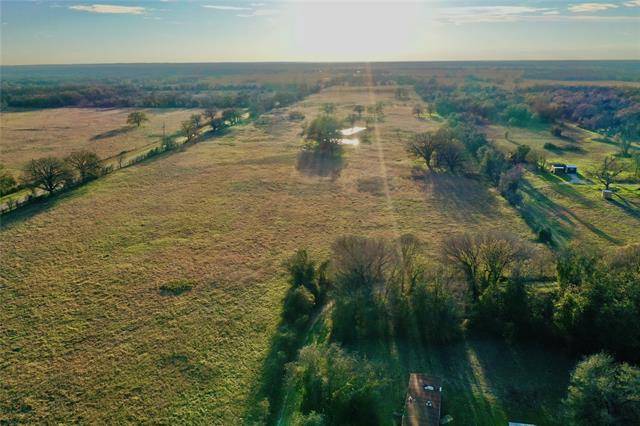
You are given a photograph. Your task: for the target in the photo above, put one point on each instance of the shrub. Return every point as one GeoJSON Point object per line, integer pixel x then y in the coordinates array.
{"type": "Point", "coordinates": [296, 116]}
{"type": "Point", "coordinates": [298, 305]}
{"type": "Point", "coordinates": [176, 288]}
{"type": "Point", "coordinates": [335, 388]}
{"type": "Point", "coordinates": [551, 147]}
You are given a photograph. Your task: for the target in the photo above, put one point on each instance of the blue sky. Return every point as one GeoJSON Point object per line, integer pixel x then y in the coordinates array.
{"type": "Point", "coordinates": [107, 31]}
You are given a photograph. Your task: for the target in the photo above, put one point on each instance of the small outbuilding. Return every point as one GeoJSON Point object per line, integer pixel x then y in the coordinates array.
{"type": "Point", "coordinates": [558, 168]}
{"type": "Point", "coordinates": [561, 169]}
{"type": "Point", "coordinates": [423, 401]}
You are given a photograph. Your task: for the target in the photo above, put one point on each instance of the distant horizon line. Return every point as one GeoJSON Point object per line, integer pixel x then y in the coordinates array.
{"type": "Point", "coordinates": [320, 62]}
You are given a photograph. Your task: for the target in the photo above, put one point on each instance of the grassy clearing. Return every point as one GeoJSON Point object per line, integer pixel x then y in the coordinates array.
{"type": "Point", "coordinates": [86, 334]}
{"type": "Point", "coordinates": [575, 211]}
{"type": "Point", "coordinates": [34, 134]}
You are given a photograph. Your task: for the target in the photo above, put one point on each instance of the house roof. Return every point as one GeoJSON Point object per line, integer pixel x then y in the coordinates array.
{"type": "Point", "coordinates": [423, 401]}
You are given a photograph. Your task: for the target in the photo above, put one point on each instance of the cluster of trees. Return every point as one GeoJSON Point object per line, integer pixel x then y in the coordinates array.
{"type": "Point", "coordinates": [614, 111]}
{"type": "Point", "coordinates": [337, 388]}
{"type": "Point", "coordinates": [595, 306]}
{"type": "Point", "coordinates": [382, 290]}
{"type": "Point", "coordinates": [379, 290]}
{"type": "Point", "coordinates": [52, 173]}
{"type": "Point", "coordinates": [309, 286]}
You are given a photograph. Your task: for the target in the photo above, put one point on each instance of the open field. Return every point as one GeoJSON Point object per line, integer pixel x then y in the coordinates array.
{"type": "Point", "coordinates": [87, 334]}
{"type": "Point", "coordinates": [576, 211]}
{"type": "Point", "coordinates": [33, 134]}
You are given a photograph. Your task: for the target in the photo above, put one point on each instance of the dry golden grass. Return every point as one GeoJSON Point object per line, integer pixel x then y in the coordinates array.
{"type": "Point", "coordinates": [87, 335]}
{"type": "Point", "coordinates": [33, 134]}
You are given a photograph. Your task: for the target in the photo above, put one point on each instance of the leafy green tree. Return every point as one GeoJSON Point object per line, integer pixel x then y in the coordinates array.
{"type": "Point", "coordinates": [602, 392]}
{"type": "Point", "coordinates": [492, 163]}
{"type": "Point", "coordinates": [335, 388]}
{"type": "Point", "coordinates": [48, 173]}
{"type": "Point", "coordinates": [358, 109]}
{"type": "Point", "coordinates": [189, 129]}
{"type": "Point", "coordinates": [324, 130]}
{"type": "Point", "coordinates": [137, 118]}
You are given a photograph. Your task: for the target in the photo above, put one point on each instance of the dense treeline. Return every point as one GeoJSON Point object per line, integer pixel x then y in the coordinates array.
{"type": "Point", "coordinates": [605, 109]}
{"type": "Point", "coordinates": [153, 94]}
{"type": "Point", "coordinates": [381, 290]}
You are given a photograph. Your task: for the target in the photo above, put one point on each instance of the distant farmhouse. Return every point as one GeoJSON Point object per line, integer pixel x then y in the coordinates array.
{"type": "Point", "coordinates": [424, 398]}
{"type": "Point", "coordinates": [561, 168]}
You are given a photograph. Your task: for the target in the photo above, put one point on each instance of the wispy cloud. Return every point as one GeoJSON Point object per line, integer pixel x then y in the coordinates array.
{"type": "Point", "coordinates": [109, 8]}
{"type": "Point", "coordinates": [255, 10]}
{"type": "Point", "coordinates": [220, 7]}
{"type": "Point", "coordinates": [259, 12]}
{"type": "Point", "coordinates": [632, 3]}
{"type": "Point", "coordinates": [469, 14]}
{"type": "Point", "coordinates": [591, 7]}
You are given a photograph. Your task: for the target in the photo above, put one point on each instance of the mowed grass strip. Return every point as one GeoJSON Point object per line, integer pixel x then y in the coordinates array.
{"type": "Point", "coordinates": [88, 335]}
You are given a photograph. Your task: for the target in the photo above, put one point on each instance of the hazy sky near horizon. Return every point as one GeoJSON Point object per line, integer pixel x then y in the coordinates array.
{"type": "Point", "coordinates": [108, 31]}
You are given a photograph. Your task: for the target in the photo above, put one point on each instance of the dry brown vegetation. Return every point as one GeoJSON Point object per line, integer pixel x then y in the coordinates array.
{"type": "Point", "coordinates": [28, 135]}
{"type": "Point", "coordinates": [89, 336]}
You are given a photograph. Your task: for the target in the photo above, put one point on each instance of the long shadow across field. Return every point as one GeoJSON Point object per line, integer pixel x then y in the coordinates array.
{"type": "Point", "coordinates": [459, 196]}
{"type": "Point", "coordinates": [111, 133]}
{"type": "Point", "coordinates": [312, 163]}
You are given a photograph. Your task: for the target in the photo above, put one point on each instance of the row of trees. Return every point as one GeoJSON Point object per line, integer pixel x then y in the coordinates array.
{"type": "Point", "coordinates": [52, 173]}
{"type": "Point", "coordinates": [149, 93]}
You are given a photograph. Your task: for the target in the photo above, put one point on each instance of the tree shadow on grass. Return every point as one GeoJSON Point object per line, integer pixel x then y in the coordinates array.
{"type": "Point", "coordinates": [320, 164]}
{"type": "Point", "coordinates": [459, 196]}
{"type": "Point", "coordinates": [112, 133]}
{"type": "Point", "coordinates": [34, 208]}
{"type": "Point", "coordinates": [540, 212]}
{"type": "Point", "coordinates": [629, 207]}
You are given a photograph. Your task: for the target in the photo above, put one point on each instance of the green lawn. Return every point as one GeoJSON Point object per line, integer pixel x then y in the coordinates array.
{"type": "Point", "coordinates": [576, 211]}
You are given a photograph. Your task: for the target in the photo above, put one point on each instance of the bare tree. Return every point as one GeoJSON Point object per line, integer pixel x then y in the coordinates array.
{"type": "Point", "coordinates": [361, 263]}
{"type": "Point", "coordinates": [451, 155]}
{"type": "Point", "coordinates": [137, 118]}
{"type": "Point", "coordinates": [424, 146]}
{"type": "Point", "coordinates": [86, 163]}
{"type": "Point", "coordinates": [210, 113]}
{"type": "Point", "coordinates": [607, 172]}
{"type": "Point", "coordinates": [48, 173]}
{"type": "Point", "coordinates": [418, 110]}
{"type": "Point", "coordinates": [484, 258]}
